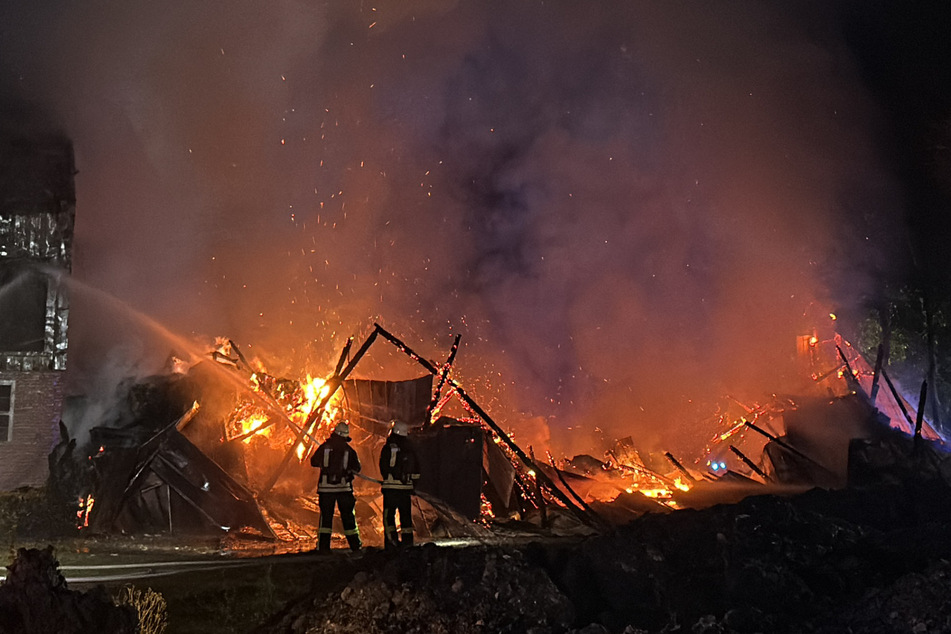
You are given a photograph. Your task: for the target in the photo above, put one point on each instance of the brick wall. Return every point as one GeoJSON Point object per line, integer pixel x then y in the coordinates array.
{"type": "Point", "coordinates": [37, 407]}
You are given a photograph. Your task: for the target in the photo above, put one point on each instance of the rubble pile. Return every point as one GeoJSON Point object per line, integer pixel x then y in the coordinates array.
{"type": "Point", "coordinates": [862, 560]}
{"type": "Point", "coordinates": [916, 602]}
{"type": "Point", "coordinates": [812, 563]}
{"type": "Point", "coordinates": [763, 562]}
{"type": "Point", "coordinates": [34, 598]}
{"type": "Point", "coordinates": [431, 589]}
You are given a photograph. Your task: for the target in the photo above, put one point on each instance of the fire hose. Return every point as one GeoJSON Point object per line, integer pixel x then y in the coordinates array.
{"type": "Point", "coordinates": [441, 507]}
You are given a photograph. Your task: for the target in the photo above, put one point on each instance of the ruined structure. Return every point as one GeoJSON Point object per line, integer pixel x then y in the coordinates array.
{"type": "Point", "coordinates": [37, 209]}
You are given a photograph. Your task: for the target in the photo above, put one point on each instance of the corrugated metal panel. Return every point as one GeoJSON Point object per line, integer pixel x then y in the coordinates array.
{"type": "Point", "coordinates": [373, 404]}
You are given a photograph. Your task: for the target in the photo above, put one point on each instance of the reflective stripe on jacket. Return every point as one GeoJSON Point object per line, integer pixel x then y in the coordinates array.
{"type": "Point", "coordinates": [399, 465]}
{"type": "Point", "coordinates": [337, 462]}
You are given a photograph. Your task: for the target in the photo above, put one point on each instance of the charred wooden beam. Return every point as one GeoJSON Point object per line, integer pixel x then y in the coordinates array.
{"type": "Point", "coordinates": [825, 375]}
{"type": "Point", "coordinates": [876, 375]}
{"type": "Point", "coordinates": [578, 498]}
{"type": "Point", "coordinates": [223, 359]}
{"type": "Point", "coordinates": [785, 445]}
{"type": "Point", "coordinates": [898, 398]}
{"type": "Point", "coordinates": [749, 463]}
{"type": "Point", "coordinates": [850, 379]}
{"type": "Point", "coordinates": [679, 467]}
{"type": "Point", "coordinates": [542, 507]}
{"type": "Point", "coordinates": [343, 355]}
{"type": "Point", "coordinates": [188, 417]}
{"type": "Point", "coordinates": [919, 419]}
{"type": "Point", "coordinates": [442, 379]}
{"type": "Point", "coordinates": [237, 351]}
{"type": "Point", "coordinates": [481, 413]}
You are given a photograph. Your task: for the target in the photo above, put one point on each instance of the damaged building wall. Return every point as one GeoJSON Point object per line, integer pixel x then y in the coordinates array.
{"type": "Point", "coordinates": [37, 211]}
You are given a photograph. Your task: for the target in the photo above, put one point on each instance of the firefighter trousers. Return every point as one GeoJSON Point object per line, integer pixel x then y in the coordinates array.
{"type": "Point", "coordinates": [397, 500]}
{"type": "Point", "coordinates": [345, 501]}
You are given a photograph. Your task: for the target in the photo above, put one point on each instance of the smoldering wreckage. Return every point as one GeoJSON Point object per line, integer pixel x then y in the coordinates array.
{"type": "Point", "coordinates": [821, 513]}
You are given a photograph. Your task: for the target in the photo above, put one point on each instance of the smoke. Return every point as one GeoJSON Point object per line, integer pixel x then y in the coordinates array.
{"type": "Point", "coordinates": [628, 210]}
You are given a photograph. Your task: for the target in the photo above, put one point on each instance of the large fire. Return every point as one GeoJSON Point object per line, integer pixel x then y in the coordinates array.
{"type": "Point", "coordinates": [258, 415]}
{"type": "Point", "coordinates": [276, 419]}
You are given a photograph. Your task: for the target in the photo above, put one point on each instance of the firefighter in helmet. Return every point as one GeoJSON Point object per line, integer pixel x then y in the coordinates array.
{"type": "Point", "coordinates": [338, 462]}
{"type": "Point", "coordinates": [399, 467]}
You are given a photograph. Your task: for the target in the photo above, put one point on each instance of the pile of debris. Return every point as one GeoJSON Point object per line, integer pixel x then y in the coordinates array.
{"type": "Point", "coordinates": [870, 560]}
{"type": "Point", "coordinates": [34, 598]}
{"type": "Point", "coordinates": [431, 589]}
{"type": "Point", "coordinates": [221, 448]}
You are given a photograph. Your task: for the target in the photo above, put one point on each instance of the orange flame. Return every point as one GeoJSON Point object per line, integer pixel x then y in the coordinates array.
{"type": "Point", "coordinates": [85, 508]}
{"type": "Point", "coordinates": [297, 400]}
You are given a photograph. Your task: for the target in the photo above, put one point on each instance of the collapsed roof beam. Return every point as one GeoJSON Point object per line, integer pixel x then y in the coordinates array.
{"type": "Point", "coordinates": [442, 380]}
{"type": "Point", "coordinates": [849, 376]}
{"type": "Point", "coordinates": [785, 445]}
{"type": "Point", "coordinates": [749, 463]}
{"type": "Point", "coordinates": [877, 373]}
{"type": "Point", "coordinates": [539, 474]}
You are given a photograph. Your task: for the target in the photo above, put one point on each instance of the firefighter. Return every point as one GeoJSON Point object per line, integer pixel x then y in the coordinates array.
{"type": "Point", "coordinates": [338, 462]}
{"type": "Point", "coordinates": [399, 467]}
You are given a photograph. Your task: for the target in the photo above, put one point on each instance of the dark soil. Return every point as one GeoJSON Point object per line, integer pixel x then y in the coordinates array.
{"type": "Point", "coordinates": [872, 560]}
{"type": "Point", "coordinates": [34, 598]}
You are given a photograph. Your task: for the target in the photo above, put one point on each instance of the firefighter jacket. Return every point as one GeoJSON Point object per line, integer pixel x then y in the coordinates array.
{"type": "Point", "coordinates": [337, 462]}
{"type": "Point", "coordinates": [399, 464]}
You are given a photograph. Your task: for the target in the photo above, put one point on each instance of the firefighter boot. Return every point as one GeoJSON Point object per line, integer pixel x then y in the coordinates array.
{"type": "Point", "coordinates": [406, 539]}
{"type": "Point", "coordinates": [323, 542]}
{"type": "Point", "coordinates": [391, 540]}
{"type": "Point", "coordinates": [354, 541]}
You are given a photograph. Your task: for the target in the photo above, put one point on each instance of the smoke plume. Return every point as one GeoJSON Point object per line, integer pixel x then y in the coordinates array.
{"type": "Point", "coordinates": [628, 210]}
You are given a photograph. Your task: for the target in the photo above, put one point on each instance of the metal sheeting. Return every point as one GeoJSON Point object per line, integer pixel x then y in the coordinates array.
{"type": "Point", "coordinates": [373, 404]}
{"type": "Point", "coordinates": [168, 484]}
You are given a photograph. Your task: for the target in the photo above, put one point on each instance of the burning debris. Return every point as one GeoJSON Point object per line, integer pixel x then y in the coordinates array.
{"type": "Point", "coordinates": [221, 447]}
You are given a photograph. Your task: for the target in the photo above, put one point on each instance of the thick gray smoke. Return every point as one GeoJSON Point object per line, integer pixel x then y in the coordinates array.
{"type": "Point", "coordinates": [627, 209]}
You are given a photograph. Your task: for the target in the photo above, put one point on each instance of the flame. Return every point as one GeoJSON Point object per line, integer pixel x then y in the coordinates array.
{"type": "Point", "coordinates": [659, 491]}
{"type": "Point", "coordinates": [736, 427]}
{"type": "Point", "coordinates": [85, 508]}
{"type": "Point", "coordinates": [298, 400]}
{"type": "Point", "coordinates": [253, 423]}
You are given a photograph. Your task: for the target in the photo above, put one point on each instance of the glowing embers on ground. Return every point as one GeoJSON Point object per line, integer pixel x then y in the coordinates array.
{"type": "Point", "coordinates": [659, 489]}
{"type": "Point", "coordinates": [614, 480]}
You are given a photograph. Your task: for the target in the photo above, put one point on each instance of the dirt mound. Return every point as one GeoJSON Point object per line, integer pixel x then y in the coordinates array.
{"type": "Point", "coordinates": [430, 589]}
{"type": "Point", "coordinates": [34, 598]}
{"type": "Point", "coordinates": [871, 560]}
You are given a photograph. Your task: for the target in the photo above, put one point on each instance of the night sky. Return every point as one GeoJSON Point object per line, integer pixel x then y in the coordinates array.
{"type": "Point", "coordinates": [905, 60]}
{"type": "Point", "coordinates": [629, 210]}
